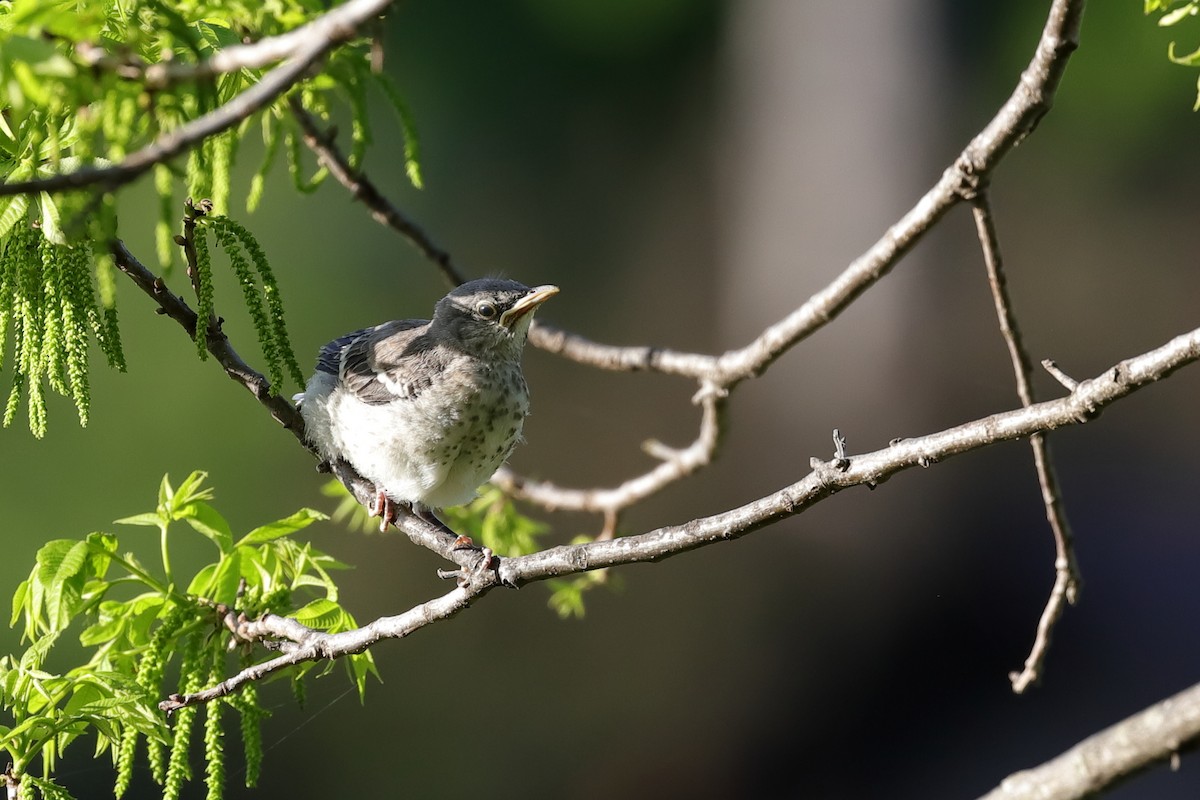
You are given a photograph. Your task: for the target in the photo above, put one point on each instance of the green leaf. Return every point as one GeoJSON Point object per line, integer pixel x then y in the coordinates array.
{"type": "Point", "coordinates": [14, 210]}
{"type": "Point", "coordinates": [320, 613]}
{"type": "Point", "coordinates": [189, 491]}
{"type": "Point", "coordinates": [150, 519]}
{"type": "Point", "coordinates": [228, 577]}
{"type": "Point", "coordinates": [201, 585]}
{"type": "Point", "coordinates": [40, 56]}
{"type": "Point", "coordinates": [206, 521]}
{"type": "Point", "coordinates": [61, 565]}
{"type": "Point", "coordinates": [102, 632]}
{"type": "Point", "coordinates": [51, 223]}
{"type": "Point", "coordinates": [1173, 17]}
{"type": "Point", "coordinates": [165, 492]}
{"type": "Point", "coordinates": [274, 530]}
{"type": "Point", "coordinates": [21, 598]}
{"type": "Point", "coordinates": [101, 548]}
{"type": "Point", "coordinates": [361, 665]}
{"type": "Point", "coordinates": [412, 144]}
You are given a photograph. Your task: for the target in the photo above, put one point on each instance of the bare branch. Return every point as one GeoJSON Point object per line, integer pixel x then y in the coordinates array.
{"type": "Point", "coordinates": [826, 479]}
{"type": "Point", "coordinates": [1155, 734]}
{"type": "Point", "coordinates": [1018, 117]}
{"type": "Point", "coordinates": [1066, 380]}
{"type": "Point", "coordinates": [1067, 581]}
{"type": "Point", "coordinates": [674, 465]}
{"type": "Point", "coordinates": [382, 210]}
{"type": "Point", "coordinates": [1082, 405]}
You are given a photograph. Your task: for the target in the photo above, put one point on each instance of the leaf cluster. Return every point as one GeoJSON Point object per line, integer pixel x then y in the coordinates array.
{"type": "Point", "coordinates": [141, 626]}
{"type": "Point", "coordinates": [76, 92]}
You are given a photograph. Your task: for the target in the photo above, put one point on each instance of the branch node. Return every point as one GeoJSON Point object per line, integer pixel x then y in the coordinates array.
{"type": "Point", "coordinates": [972, 179]}
{"type": "Point", "coordinates": [708, 392]}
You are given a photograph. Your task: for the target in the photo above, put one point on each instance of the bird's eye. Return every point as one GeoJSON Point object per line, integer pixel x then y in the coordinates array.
{"type": "Point", "coordinates": [486, 310]}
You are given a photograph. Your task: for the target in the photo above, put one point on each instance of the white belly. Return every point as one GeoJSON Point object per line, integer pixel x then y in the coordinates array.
{"type": "Point", "coordinates": [427, 449]}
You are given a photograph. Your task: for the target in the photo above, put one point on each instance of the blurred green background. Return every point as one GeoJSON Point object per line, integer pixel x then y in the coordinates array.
{"type": "Point", "coordinates": [688, 172]}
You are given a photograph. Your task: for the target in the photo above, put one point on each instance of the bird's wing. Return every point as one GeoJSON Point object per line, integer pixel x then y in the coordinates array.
{"type": "Point", "coordinates": [382, 364]}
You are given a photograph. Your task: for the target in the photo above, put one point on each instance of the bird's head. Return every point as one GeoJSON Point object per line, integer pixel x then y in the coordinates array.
{"type": "Point", "coordinates": [490, 314]}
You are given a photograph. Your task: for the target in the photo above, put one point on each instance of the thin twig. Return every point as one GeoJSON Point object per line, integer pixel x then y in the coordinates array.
{"type": "Point", "coordinates": [673, 466]}
{"type": "Point", "coordinates": [1066, 380]}
{"type": "Point", "coordinates": [382, 210]}
{"type": "Point", "coordinates": [1067, 581]}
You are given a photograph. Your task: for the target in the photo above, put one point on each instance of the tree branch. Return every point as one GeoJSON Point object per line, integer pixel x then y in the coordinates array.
{"type": "Point", "coordinates": [675, 464]}
{"type": "Point", "coordinates": [825, 479]}
{"type": "Point", "coordinates": [1157, 733]}
{"type": "Point", "coordinates": [1067, 581]}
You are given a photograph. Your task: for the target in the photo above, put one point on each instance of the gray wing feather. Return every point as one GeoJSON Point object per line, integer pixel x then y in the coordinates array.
{"type": "Point", "coordinates": [379, 365]}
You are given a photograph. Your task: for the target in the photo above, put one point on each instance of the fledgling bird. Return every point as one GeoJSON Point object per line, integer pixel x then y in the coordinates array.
{"type": "Point", "coordinates": [427, 410]}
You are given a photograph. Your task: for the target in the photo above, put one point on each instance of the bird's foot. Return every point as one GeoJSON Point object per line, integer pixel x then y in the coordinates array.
{"type": "Point", "coordinates": [463, 576]}
{"type": "Point", "coordinates": [386, 509]}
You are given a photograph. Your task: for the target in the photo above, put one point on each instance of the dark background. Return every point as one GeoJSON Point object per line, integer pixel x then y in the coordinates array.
{"type": "Point", "coordinates": [688, 172]}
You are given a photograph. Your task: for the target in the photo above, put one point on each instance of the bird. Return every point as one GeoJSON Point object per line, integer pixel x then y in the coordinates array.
{"type": "Point", "coordinates": [427, 410]}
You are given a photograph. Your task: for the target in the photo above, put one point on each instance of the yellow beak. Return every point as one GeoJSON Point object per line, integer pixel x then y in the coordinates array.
{"type": "Point", "coordinates": [527, 304]}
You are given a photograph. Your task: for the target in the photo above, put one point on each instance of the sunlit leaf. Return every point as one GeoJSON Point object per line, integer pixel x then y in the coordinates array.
{"type": "Point", "coordinates": [205, 520]}
{"type": "Point", "coordinates": [284, 527]}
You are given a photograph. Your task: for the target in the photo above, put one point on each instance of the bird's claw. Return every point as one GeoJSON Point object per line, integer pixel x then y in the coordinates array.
{"type": "Point", "coordinates": [385, 509]}
{"type": "Point", "coordinates": [463, 576]}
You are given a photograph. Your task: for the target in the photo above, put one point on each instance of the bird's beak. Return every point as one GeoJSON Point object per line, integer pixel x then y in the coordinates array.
{"type": "Point", "coordinates": [527, 304]}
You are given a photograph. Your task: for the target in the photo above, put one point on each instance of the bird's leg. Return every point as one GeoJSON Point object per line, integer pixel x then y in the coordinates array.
{"type": "Point", "coordinates": [428, 515]}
